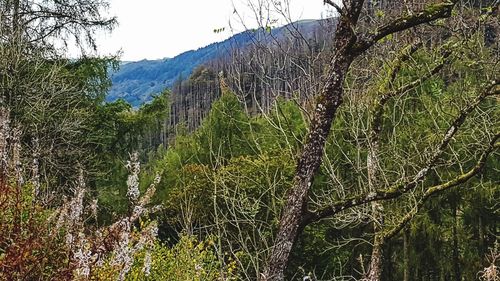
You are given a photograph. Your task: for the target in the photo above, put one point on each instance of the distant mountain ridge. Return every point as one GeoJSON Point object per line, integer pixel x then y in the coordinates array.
{"type": "Point", "coordinates": [136, 82]}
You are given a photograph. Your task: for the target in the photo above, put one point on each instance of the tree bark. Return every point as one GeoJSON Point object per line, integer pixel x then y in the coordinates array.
{"type": "Point", "coordinates": [406, 255]}
{"type": "Point", "coordinates": [327, 103]}
{"type": "Point", "coordinates": [456, 256]}
{"type": "Point", "coordinates": [4, 136]}
{"type": "Point", "coordinates": [375, 269]}
{"type": "Point", "coordinates": [375, 272]}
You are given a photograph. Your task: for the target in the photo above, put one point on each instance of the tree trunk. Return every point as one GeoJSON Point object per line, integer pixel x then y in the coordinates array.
{"type": "Point", "coordinates": [378, 217]}
{"type": "Point", "coordinates": [16, 22]}
{"type": "Point", "coordinates": [376, 259]}
{"type": "Point", "coordinates": [309, 162]}
{"type": "Point", "coordinates": [406, 255]}
{"type": "Point", "coordinates": [456, 257]}
{"type": "Point", "coordinates": [4, 135]}
{"type": "Point", "coordinates": [327, 103]}
{"type": "Point", "coordinates": [481, 248]}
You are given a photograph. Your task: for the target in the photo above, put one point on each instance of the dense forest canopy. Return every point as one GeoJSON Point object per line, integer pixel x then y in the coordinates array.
{"type": "Point", "coordinates": [364, 147]}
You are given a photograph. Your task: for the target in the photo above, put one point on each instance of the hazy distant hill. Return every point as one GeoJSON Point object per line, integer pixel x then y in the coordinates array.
{"type": "Point", "coordinates": [137, 81]}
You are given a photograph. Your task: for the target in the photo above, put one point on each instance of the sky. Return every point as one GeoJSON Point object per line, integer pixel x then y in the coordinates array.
{"type": "Point", "coordinates": [155, 29]}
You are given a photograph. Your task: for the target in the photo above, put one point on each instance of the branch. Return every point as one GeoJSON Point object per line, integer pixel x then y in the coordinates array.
{"type": "Point", "coordinates": [333, 4]}
{"type": "Point", "coordinates": [393, 193]}
{"type": "Point", "coordinates": [400, 189]}
{"type": "Point", "coordinates": [429, 14]}
{"type": "Point", "coordinates": [378, 111]}
{"type": "Point", "coordinates": [351, 10]}
{"type": "Point", "coordinates": [356, 6]}
{"type": "Point", "coordinates": [404, 56]}
{"type": "Point", "coordinates": [450, 133]}
{"type": "Point", "coordinates": [445, 186]}
{"type": "Point", "coordinates": [403, 89]}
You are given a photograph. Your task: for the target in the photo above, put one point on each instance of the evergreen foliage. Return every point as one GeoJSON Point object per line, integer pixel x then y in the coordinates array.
{"type": "Point", "coordinates": [408, 180]}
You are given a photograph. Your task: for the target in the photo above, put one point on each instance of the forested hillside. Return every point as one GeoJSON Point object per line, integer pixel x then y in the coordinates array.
{"type": "Point", "coordinates": [361, 147]}
{"type": "Point", "coordinates": [137, 82]}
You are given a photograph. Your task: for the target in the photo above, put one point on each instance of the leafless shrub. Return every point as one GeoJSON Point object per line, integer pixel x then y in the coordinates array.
{"type": "Point", "coordinates": [492, 272]}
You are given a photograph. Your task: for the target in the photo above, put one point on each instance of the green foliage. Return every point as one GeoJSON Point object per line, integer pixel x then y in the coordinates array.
{"type": "Point", "coordinates": [91, 74]}
{"type": "Point", "coordinates": [189, 259]}
{"type": "Point", "coordinates": [157, 109]}
{"type": "Point", "coordinates": [118, 130]}
{"type": "Point", "coordinates": [227, 181]}
{"type": "Point", "coordinates": [282, 130]}
{"type": "Point", "coordinates": [189, 199]}
{"type": "Point", "coordinates": [224, 133]}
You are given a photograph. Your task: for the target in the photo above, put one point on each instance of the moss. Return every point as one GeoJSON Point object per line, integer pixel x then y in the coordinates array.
{"type": "Point", "coordinates": [436, 8]}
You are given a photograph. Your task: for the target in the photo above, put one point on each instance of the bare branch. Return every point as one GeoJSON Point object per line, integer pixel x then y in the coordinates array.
{"type": "Point", "coordinates": [410, 86]}
{"type": "Point", "coordinates": [400, 189]}
{"type": "Point", "coordinates": [431, 191]}
{"type": "Point", "coordinates": [403, 57]}
{"type": "Point", "coordinates": [333, 4]}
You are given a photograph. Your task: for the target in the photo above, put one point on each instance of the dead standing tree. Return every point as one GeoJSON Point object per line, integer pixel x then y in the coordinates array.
{"type": "Point", "coordinates": [348, 45]}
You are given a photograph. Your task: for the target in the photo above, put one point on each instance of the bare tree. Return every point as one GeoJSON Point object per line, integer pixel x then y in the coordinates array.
{"type": "Point", "coordinates": [348, 45]}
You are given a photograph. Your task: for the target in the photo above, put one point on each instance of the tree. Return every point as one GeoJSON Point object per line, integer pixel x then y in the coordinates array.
{"type": "Point", "coordinates": [348, 44]}
{"type": "Point", "coordinates": [49, 98]}
{"type": "Point", "coordinates": [36, 23]}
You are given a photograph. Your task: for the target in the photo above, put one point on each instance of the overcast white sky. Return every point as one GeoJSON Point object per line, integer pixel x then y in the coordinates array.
{"type": "Point", "coordinates": [153, 29]}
